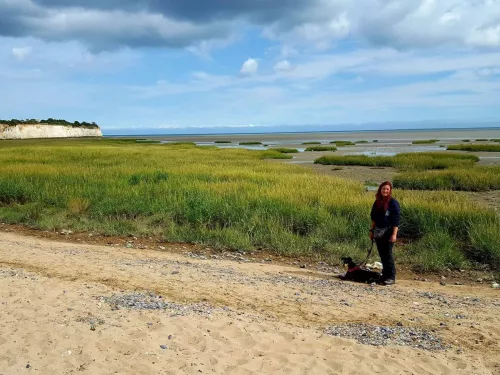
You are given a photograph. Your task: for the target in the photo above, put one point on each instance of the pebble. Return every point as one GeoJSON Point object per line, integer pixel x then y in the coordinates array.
{"type": "Point", "coordinates": [382, 336]}
{"type": "Point", "coordinates": [151, 301]}
{"type": "Point", "coordinates": [164, 346]}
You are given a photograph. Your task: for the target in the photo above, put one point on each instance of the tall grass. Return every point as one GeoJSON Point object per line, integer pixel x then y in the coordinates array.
{"type": "Point", "coordinates": [285, 150]}
{"type": "Point", "coordinates": [222, 142]}
{"type": "Point", "coordinates": [425, 141]}
{"type": "Point", "coordinates": [406, 161]}
{"type": "Point", "coordinates": [480, 178]}
{"type": "Point", "coordinates": [311, 143]}
{"type": "Point", "coordinates": [227, 198]}
{"type": "Point", "coordinates": [250, 143]}
{"type": "Point", "coordinates": [487, 148]}
{"type": "Point", "coordinates": [343, 143]}
{"type": "Point", "coordinates": [321, 148]}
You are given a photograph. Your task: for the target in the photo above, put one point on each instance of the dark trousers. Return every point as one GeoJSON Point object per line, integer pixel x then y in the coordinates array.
{"type": "Point", "coordinates": [384, 247]}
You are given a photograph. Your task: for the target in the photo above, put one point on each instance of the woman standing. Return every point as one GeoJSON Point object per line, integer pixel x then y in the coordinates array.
{"type": "Point", "coordinates": [385, 217]}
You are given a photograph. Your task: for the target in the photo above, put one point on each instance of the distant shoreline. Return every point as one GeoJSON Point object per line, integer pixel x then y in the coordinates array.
{"type": "Point", "coordinates": [452, 134]}
{"type": "Point", "coordinates": [310, 132]}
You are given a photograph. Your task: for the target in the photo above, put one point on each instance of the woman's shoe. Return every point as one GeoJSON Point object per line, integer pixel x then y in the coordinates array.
{"type": "Point", "coordinates": [388, 282]}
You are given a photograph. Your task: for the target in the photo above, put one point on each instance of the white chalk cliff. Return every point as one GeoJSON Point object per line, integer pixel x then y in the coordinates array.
{"type": "Point", "coordinates": [27, 131]}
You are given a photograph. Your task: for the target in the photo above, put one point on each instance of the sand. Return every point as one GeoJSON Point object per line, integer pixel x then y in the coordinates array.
{"type": "Point", "coordinates": [255, 318]}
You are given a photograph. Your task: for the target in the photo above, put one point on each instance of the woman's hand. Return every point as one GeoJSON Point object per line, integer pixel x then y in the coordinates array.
{"type": "Point", "coordinates": [393, 238]}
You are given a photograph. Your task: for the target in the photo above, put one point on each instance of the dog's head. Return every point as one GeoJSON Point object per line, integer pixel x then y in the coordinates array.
{"type": "Point", "coordinates": [348, 261]}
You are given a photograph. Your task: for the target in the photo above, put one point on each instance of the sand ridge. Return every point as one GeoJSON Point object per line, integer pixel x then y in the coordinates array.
{"type": "Point", "coordinates": [264, 319]}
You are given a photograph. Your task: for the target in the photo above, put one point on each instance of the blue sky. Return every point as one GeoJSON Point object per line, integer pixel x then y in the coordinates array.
{"type": "Point", "coordinates": [242, 65]}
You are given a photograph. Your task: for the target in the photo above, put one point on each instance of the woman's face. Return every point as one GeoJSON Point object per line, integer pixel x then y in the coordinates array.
{"type": "Point", "coordinates": [385, 191]}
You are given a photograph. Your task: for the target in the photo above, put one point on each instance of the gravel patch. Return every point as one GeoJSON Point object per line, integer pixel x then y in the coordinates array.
{"type": "Point", "coordinates": [151, 301]}
{"type": "Point", "coordinates": [382, 336]}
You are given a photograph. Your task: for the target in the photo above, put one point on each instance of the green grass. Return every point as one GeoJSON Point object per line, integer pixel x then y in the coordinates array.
{"type": "Point", "coordinates": [148, 141]}
{"type": "Point", "coordinates": [406, 161]}
{"type": "Point", "coordinates": [375, 140]}
{"type": "Point", "coordinates": [222, 142]}
{"type": "Point", "coordinates": [226, 198]}
{"type": "Point", "coordinates": [321, 148]}
{"type": "Point", "coordinates": [250, 143]}
{"type": "Point", "coordinates": [481, 140]}
{"type": "Point", "coordinates": [495, 140]}
{"type": "Point", "coordinates": [311, 143]}
{"type": "Point", "coordinates": [479, 178]}
{"type": "Point", "coordinates": [436, 251]}
{"type": "Point", "coordinates": [361, 142]}
{"type": "Point", "coordinates": [343, 143]}
{"type": "Point", "coordinates": [425, 141]}
{"type": "Point", "coordinates": [286, 150]}
{"type": "Point", "coordinates": [487, 148]}
{"type": "Point", "coordinates": [465, 140]}
{"type": "Point", "coordinates": [180, 144]}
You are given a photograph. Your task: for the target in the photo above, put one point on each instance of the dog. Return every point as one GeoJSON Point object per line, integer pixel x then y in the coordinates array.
{"type": "Point", "coordinates": [358, 274]}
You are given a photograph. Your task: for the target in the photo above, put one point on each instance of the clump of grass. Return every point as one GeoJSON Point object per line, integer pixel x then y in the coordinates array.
{"type": "Point", "coordinates": [337, 169]}
{"type": "Point", "coordinates": [425, 141]}
{"type": "Point", "coordinates": [486, 148]}
{"type": "Point", "coordinates": [222, 142]}
{"type": "Point", "coordinates": [286, 150]}
{"type": "Point", "coordinates": [465, 140]}
{"type": "Point", "coordinates": [480, 178]}
{"type": "Point", "coordinates": [436, 251]}
{"type": "Point", "coordinates": [343, 143]}
{"type": "Point", "coordinates": [155, 177]}
{"type": "Point", "coordinates": [145, 141]}
{"type": "Point", "coordinates": [311, 143]}
{"type": "Point", "coordinates": [405, 161]}
{"type": "Point", "coordinates": [180, 144]}
{"type": "Point", "coordinates": [481, 140]}
{"type": "Point", "coordinates": [495, 140]}
{"type": "Point", "coordinates": [321, 148]}
{"type": "Point", "coordinates": [375, 140]}
{"type": "Point", "coordinates": [77, 206]}
{"type": "Point", "coordinates": [273, 154]}
{"type": "Point", "coordinates": [485, 243]}
{"type": "Point", "coordinates": [252, 143]}
{"type": "Point", "coordinates": [361, 142]}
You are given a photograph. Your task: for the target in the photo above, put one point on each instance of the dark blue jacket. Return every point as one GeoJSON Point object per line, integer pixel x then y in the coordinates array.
{"type": "Point", "coordinates": [388, 219]}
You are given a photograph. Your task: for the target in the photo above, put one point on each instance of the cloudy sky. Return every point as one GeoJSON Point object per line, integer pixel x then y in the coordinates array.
{"type": "Point", "coordinates": [195, 65]}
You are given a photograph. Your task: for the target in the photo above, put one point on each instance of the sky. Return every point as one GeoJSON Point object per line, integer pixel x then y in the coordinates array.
{"type": "Point", "coordinates": [202, 66]}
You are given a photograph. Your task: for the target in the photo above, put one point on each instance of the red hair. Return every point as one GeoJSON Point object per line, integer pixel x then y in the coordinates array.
{"type": "Point", "coordinates": [382, 203]}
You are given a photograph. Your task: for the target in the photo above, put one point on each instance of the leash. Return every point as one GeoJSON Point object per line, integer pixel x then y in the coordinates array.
{"type": "Point", "coordinates": [368, 257]}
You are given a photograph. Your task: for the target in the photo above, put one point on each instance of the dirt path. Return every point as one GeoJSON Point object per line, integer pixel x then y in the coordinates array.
{"type": "Point", "coordinates": [232, 317]}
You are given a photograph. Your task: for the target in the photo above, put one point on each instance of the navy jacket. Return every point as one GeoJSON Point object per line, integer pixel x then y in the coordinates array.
{"type": "Point", "coordinates": [388, 219]}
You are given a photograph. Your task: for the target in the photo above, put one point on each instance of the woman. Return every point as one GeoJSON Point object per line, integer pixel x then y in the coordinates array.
{"type": "Point", "coordinates": [385, 217]}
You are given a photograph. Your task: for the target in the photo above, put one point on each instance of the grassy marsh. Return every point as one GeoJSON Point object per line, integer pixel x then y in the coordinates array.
{"type": "Point", "coordinates": [425, 141]}
{"type": "Point", "coordinates": [321, 148]}
{"type": "Point", "coordinates": [405, 161]}
{"type": "Point", "coordinates": [486, 148]}
{"type": "Point", "coordinates": [226, 198]}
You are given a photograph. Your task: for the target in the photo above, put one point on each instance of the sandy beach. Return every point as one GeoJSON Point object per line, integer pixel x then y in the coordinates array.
{"type": "Point", "coordinates": [83, 308]}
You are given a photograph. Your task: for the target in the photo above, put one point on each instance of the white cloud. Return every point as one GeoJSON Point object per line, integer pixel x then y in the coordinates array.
{"type": "Point", "coordinates": [282, 66]}
{"type": "Point", "coordinates": [20, 53]}
{"type": "Point", "coordinates": [249, 67]}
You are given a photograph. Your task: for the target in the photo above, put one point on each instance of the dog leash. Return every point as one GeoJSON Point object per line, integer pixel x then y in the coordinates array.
{"type": "Point", "coordinates": [368, 257]}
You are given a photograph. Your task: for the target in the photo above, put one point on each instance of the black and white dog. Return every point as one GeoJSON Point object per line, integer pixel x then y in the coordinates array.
{"type": "Point", "coordinates": [358, 274]}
